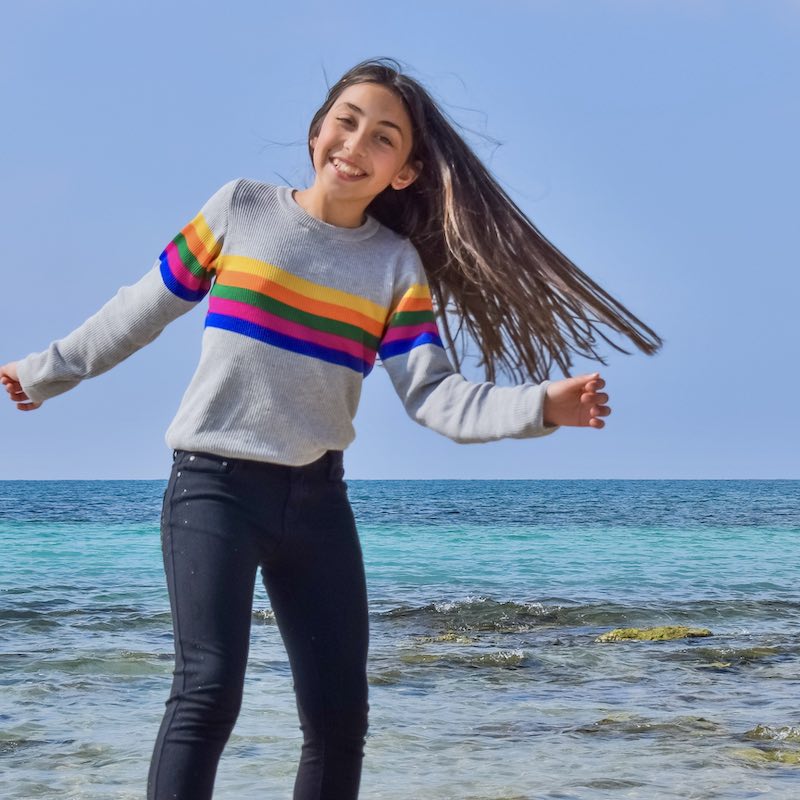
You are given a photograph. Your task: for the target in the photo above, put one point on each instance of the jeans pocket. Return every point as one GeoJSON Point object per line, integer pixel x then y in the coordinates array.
{"type": "Point", "coordinates": [336, 474]}
{"type": "Point", "coordinates": [163, 507]}
{"type": "Point", "coordinates": [335, 466]}
{"type": "Point", "coordinates": [166, 502]}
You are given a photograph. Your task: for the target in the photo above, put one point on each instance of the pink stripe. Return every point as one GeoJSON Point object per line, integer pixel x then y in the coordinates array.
{"type": "Point", "coordinates": [409, 332]}
{"type": "Point", "coordinates": [233, 308]}
{"type": "Point", "coordinates": [183, 275]}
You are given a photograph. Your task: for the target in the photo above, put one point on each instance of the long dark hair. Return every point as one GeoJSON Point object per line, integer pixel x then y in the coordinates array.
{"type": "Point", "coordinates": [513, 293]}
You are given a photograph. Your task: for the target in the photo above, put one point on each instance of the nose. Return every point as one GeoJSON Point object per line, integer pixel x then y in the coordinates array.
{"type": "Point", "coordinates": [355, 142]}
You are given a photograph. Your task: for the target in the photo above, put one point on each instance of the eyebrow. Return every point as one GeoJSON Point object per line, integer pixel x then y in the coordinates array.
{"type": "Point", "coordinates": [387, 122]}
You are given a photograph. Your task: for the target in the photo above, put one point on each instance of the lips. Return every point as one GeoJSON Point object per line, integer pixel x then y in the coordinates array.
{"type": "Point", "coordinates": [350, 165]}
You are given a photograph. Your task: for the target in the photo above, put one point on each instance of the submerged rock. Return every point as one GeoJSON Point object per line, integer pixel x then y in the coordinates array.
{"type": "Point", "coordinates": [629, 724]}
{"type": "Point", "coordinates": [456, 638]}
{"type": "Point", "coordinates": [756, 755]}
{"type": "Point", "coordinates": [662, 633]}
{"type": "Point", "coordinates": [387, 677]}
{"type": "Point", "coordinates": [726, 659]}
{"type": "Point", "coordinates": [719, 657]}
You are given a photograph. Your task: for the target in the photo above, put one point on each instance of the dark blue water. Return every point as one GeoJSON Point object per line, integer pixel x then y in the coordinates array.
{"type": "Point", "coordinates": [486, 679]}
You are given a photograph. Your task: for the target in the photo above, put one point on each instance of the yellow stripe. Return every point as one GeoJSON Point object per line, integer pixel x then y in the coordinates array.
{"type": "Point", "coordinates": [417, 290]}
{"type": "Point", "coordinates": [315, 291]}
{"type": "Point", "coordinates": [204, 233]}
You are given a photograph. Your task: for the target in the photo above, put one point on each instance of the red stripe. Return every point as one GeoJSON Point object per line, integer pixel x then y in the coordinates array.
{"type": "Point", "coordinates": [233, 308]}
{"type": "Point", "coordinates": [409, 331]}
{"type": "Point", "coordinates": [183, 275]}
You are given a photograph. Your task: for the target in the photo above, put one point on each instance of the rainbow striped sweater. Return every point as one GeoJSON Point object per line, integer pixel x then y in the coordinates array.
{"type": "Point", "coordinates": [298, 313]}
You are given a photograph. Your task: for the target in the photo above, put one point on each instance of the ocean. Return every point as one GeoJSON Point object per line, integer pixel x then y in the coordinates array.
{"type": "Point", "coordinates": [486, 679]}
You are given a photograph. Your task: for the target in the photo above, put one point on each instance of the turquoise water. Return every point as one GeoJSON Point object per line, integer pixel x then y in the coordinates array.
{"type": "Point", "coordinates": [486, 681]}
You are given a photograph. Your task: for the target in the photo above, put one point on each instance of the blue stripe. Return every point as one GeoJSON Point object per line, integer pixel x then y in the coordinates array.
{"type": "Point", "coordinates": [400, 346]}
{"type": "Point", "coordinates": [176, 287]}
{"type": "Point", "coordinates": [285, 342]}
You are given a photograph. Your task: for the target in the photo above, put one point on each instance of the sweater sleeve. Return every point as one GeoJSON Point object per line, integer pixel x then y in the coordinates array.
{"type": "Point", "coordinates": [437, 396]}
{"type": "Point", "coordinates": [136, 315]}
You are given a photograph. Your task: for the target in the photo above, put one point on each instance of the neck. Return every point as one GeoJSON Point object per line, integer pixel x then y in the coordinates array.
{"type": "Point", "coordinates": [342, 213]}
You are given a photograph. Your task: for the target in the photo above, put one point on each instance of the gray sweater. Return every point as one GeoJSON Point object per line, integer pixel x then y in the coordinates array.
{"type": "Point", "coordinates": [299, 310]}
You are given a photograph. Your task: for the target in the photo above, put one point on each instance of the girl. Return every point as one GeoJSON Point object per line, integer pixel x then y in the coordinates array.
{"type": "Point", "coordinates": [306, 289]}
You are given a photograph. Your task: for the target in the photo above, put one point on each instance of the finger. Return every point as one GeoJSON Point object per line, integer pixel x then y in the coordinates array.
{"type": "Point", "coordinates": [591, 387]}
{"type": "Point", "coordinates": [600, 398]}
{"type": "Point", "coordinates": [584, 379]}
{"type": "Point", "coordinates": [600, 411]}
{"type": "Point", "coordinates": [28, 406]}
{"type": "Point", "coordinates": [596, 423]}
{"type": "Point", "coordinates": [14, 389]}
{"type": "Point", "coordinates": [18, 396]}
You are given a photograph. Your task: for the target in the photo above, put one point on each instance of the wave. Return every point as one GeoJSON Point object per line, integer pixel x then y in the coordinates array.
{"type": "Point", "coordinates": [480, 613]}
{"type": "Point", "coordinates": [787, 733]}
{"type": "Point", "coordinates": [12, 743]}
{"type": "Point", "coordinates": [91, 617]}
{"type": "Point", "coordinates": [507, 659]}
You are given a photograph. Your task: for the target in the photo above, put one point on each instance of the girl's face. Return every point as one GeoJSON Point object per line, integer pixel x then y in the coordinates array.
{"type": "Point", "coordinates": [364, 144]}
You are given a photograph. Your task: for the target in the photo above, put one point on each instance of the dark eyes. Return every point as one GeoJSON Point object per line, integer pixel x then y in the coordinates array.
{"type": "Point", "coordinates": [349, 121]}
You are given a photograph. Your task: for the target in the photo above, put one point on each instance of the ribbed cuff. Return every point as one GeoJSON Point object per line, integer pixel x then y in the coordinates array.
{"type": "Point", "coordinates": [25, 380]}
{"type": "Point", "coordinates": [533, 411]}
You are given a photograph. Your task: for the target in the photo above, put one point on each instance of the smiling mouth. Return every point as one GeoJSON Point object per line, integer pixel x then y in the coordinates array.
{"type": "Point", "coordinates": [346, 169]}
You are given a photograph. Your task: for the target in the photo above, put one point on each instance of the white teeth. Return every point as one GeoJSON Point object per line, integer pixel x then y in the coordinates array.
{"type": "Point", "coordinates": [346, 168]}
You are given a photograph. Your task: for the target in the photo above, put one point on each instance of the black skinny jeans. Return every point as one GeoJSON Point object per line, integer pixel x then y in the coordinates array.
{"type": "Point", "coordinates": [223, 518]}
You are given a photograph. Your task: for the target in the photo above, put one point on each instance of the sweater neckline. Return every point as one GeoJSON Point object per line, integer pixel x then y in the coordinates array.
{"type": "Point", "coordinates": [300, 215]}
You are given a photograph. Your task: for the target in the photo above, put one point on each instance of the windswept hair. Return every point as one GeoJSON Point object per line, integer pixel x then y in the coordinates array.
{"type": "Point", "coordinates": [513, 293]}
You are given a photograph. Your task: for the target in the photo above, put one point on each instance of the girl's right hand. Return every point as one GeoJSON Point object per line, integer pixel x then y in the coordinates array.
{"type": "Point", "coordinates": [10, 379]}
{"type": "Point", "coordinates": [576, 401]}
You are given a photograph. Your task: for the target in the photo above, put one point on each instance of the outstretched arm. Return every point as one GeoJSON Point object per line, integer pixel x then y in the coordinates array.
{"type": "Point", "coordinates": [437, 396]}
{"type": "Point", "coordinates": [134, 317]}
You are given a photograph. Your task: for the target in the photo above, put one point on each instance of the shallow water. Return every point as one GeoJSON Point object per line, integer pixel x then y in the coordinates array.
{"type": "Point", "coordinates": [486, 681]}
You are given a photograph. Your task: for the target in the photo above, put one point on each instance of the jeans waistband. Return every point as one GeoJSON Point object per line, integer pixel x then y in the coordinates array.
{"type": "Point", "coordinates": [331, 463]}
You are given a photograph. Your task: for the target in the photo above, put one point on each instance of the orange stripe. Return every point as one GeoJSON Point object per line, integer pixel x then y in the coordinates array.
{"type": "Point", "coordinates": [195, 244]}
{"type": "Point", "coordinates": [414, 304]}
{"type": "Point", "coordinates": [322, 309]}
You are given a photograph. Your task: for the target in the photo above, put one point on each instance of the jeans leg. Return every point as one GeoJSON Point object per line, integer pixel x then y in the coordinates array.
{"type": "Point", "coordinates": [317, 588]}
{"type": "Point", "coordinates": [210, 561]}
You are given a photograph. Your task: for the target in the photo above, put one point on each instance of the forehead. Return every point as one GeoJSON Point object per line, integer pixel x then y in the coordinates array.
{"type": "Point", "coordinates": [377, 103]}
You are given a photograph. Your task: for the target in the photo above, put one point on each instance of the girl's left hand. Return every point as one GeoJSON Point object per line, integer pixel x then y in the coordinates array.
{"type": "Point", "coordinates": [576, 401]}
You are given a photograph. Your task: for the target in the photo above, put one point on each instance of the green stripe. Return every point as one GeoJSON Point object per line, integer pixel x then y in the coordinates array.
{"type": "Point", "coordinates": [189, 259]}
{"type": "Point", "coordinates": [411, 318]}
{"type": "Point", "coordinates": [317, 323]}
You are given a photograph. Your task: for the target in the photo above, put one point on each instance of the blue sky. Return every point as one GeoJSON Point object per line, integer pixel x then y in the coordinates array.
{"type": "Point", "coordinates": [653, 142]}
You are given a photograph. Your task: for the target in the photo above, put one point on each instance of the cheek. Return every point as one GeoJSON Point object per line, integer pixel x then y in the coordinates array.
{"type": "Point", "coordinates": [390, 164]}
{"type": "Point", "coordinates": [323, 146]}
{"type": "Point", "coordinates": [320, 154]}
